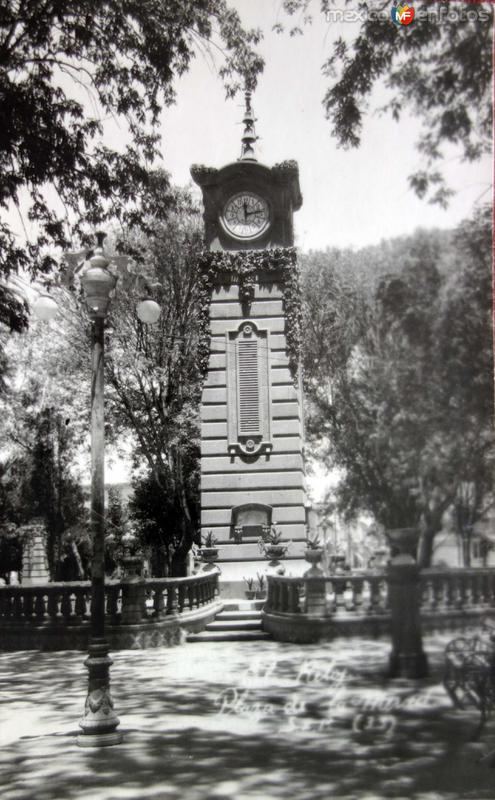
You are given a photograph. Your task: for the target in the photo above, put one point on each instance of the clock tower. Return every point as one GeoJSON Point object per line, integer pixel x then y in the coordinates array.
{"type": "Point", "coordinates": [252, 472]}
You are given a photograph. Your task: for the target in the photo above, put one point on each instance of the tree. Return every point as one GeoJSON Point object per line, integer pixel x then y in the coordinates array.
{"type": "Point", "coordinates": [154, 384]}
{"type": "Point", "coordinates": [116, 523]}
{"type": "Point", "coordinates": [444, 58]}
{"type": "Point", "coordinates": [402, 421]}
{"type": "Point", "coordinates": [40, 484]}
{"type": "Point", "coordinates": [68, 72]}
{"type": "Point", "coordinates": [44, 424]}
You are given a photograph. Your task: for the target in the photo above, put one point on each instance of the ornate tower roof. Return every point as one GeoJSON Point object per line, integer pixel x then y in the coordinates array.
{"type": "Point", "coordinates": [249, 136]}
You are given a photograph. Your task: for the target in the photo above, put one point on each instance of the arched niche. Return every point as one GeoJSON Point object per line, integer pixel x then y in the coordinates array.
{"type": "Point", "coordinates": [250, 518]}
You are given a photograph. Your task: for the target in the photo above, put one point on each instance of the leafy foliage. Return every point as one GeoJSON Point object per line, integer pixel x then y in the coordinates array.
{"type": "Point", "coordinates": [44, 424]}
{"type": "Point", "coordinates": [439, 69]}
{"type": "Point", "coordinates": [71, 72]}
{"type": "Point", "coordinates": [40, 485]}
{"type": "Point", "coordinates": [154, 382]}
{"type": "Point", "coordinates": [402, 390]}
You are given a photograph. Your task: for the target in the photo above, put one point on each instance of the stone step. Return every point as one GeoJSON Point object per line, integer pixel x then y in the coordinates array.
{"type": "Point", "coordinates": [234, 625]}
{"type": "Point", "coordinates": [243, 605]}
{"type": "Point", "coordinates": [228, 636]}
{"type": "Point", "coordinates": [238, 615]}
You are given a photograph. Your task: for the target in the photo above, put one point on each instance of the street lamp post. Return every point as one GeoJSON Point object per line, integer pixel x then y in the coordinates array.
{"type": "Point", "coordinates": [100, 722]}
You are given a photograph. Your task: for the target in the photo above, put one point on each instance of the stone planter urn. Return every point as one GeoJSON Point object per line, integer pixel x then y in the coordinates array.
{"type": "Point", "coordinates": [403, 541]}
{"type": "Point", "coordinates": [133, 566]}
{"type": "Point", "coordinates": [275, 551]}
{"type": "Point", "coordinates": [209, 554]}
{"type": "Point", "coordinates": [337, 565]}
{"type": "Point", "coordinates": [313, 556]}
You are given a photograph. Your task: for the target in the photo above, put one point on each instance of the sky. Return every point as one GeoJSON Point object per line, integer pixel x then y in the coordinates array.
{"type": "Point", "coordinates": [351, 198]}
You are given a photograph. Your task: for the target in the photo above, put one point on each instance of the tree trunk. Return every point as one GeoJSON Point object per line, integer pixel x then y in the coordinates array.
{"type": "Point", "coordinates": [76, 554]}
{"type": "Point", "coordinates": [425, 547]}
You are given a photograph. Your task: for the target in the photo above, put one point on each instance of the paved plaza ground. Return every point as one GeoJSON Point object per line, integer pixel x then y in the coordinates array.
{"type": "Point", "coordinates": [241, 720]}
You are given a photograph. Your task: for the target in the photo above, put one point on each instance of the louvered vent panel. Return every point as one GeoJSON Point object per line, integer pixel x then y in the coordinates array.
{"type": "Point", "coordinates": [248, 387]}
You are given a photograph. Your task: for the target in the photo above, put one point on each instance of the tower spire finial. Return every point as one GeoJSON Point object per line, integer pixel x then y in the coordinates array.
{"type": "Point", "coordinates": [249, 136]}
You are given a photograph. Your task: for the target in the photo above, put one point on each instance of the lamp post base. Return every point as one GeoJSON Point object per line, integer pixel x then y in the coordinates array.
{"type": "Point", "coordinates": [100, 721]}
{"type": "Point", "coordinates": [99, 739]}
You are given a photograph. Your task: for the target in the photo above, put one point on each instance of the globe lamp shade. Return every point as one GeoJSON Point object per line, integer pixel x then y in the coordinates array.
{"type": "Point", "coordinates": [45, 307]}
{"type": "Point", "coordinates": [148, 311]}
{"type": "Point", "coordinates": [98, 283]}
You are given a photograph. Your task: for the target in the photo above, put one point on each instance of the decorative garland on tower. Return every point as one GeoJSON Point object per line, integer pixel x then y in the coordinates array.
{"type": "Point", "coordinates": [242, 267]}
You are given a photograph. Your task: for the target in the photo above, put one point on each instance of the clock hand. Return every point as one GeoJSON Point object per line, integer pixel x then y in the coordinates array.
{"type": "Point", "coordinates": [244, 205]}
{"type": "Point", "coordinates": [250, 213]}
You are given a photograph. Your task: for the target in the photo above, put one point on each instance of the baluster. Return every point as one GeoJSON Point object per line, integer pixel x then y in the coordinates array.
{"type": "Point", "coordinates": [7, 605]}
{"type": "Point", "coordinates": [469, 589]}
{"type": "Point", "coordinates": [438, 592]}
{"type": "Point", "coordinates": [491, 587]}
{"type": "Point", "coordinates": [488, 585]}
{"type": "Point", "coordinates": [80, 605]}
{"type": "Point", "coordinates": [460, 592]}
{"type": "Point", "coordinates": [450, 591]}
{"type": "Point", "coordinates": [28, 604]}
{"type": "Point", "coordinates": [269, 594]}
{"type": "Point", "coordinates": [197, 593]}
{"type": "Point", "coordinates": [284, 599]}
{"type": "Point", "coordinates": [293, 598]}
{"type": "Point", "coordinates": [374, 601]}
{"type": "Point", "coordinates": [182, 597]}
{"type": "Point", "coordinates": [172, 599]}
{"type": "Point", "coordinates": [475, 589]}
{"type": "Point", "coordinates": [112, 597]}
{"type": "Point", "coordinates": [66, 605]}
{"type": "Point", "coordinates": [275, 595]}
{"type": "Point", "coordinates": [349, 595]}
{"type": "Point", "coordinates": [158, 601]}
{"type": "Point", "coordinates": [18, 609]}
{"type": "Point", "coordinates": [339, 587]}
{"type": "Point", "coordinates": [426, 593]}
{"type": "Point", "coordinates": [39, 605]}
{"type": "Point", "coordinates": [357, 585]}
{"type": "Point", "coordinates": [53, 598]}
{"type": "Point", "coordinates": [190, 596]}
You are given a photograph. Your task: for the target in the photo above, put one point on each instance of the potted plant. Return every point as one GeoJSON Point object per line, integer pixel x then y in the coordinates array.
{"type": "Point", "coordinates": [271, 545]}
{"type": "Point", "coordinates": [250, 592]}
{"type": "Point", "coordinates": [313, 554]}
{"type": "Point", "coordinates": [261, 590]}
{"type": "Point", "coordinates": [209, 552]}
{"type": "Point", "coordinates": [314, 550]}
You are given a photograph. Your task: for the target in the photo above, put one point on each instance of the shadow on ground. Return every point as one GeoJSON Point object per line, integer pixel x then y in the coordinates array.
{"type": "Point", "coordinates": [241, 721]}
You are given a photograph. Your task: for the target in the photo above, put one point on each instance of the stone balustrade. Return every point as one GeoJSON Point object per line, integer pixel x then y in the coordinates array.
{"type": "Point", "coordinates": [457, 589]}
{"type": "Point", "coordinates": [308, 609]}
{"type": "Point", "coordinates": [139, 612]}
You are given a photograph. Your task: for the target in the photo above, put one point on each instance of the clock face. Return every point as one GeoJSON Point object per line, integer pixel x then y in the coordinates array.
{"type": "Point", "coordinates": [246, 215]}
